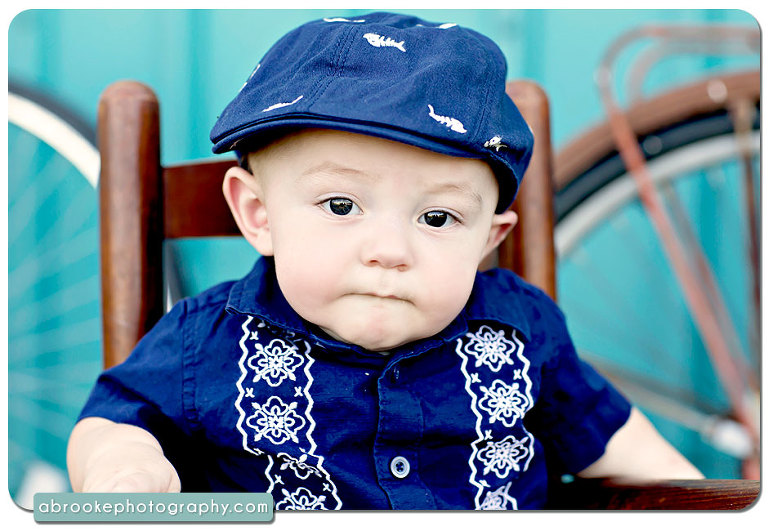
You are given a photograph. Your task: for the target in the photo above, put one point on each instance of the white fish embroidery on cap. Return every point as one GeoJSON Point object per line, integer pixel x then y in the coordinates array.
{"type": "Point", "coordinates": [251, 76]}
{"type": "Point", "coordinates": [279, 105]}
{"type": "Point", "coordinates": [441, 26]}
{"type": "Point", "coordinates": [451, 123]}
{"type": "Point", "coordinates": [374, 39]}
{"type": "Point", "coordinates": [495, 143]}
{"type": "Point", "coordinates": [341, 19]}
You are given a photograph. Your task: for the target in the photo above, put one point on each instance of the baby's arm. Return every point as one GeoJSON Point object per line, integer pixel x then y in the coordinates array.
{"type": "Point", "coordinates": [638, 451]}
{"type": "Point", "coordinates": [103, 456]}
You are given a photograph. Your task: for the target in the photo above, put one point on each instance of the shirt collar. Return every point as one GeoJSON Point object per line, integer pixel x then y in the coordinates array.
{"type": "Point", "coordinates": [258, 294]}
{"type": "Point", "coordinates": [498, 295]}
{"type": "Point", "coordinates": [492, 299]}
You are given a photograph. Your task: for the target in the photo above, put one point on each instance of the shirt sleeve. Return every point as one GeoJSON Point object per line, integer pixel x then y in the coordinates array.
{"type": "Point", "coordinates": [147, 389]}
{"type": "Point", "coordinates": [578, 410]}
{"type": "Point", "coordinates": [154, 390]}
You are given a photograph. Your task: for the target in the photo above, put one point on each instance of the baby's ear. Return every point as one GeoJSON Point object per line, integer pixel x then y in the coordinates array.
{"type": "Point", "coordinates": [245, 198]}
{"type": "Point", "coordinates": [501, 225]}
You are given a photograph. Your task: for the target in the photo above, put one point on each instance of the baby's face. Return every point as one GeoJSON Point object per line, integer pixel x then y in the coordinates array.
{"type": "Point", "coordinates": [374, 241]}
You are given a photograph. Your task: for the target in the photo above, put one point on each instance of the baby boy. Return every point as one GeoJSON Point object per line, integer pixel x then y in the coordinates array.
{"type": "Point", "coordinates": [364, 362]}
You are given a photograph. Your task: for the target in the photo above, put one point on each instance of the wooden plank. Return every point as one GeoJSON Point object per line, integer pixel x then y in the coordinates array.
{"type": "Point", "coordinates": [615, 494]}
{"type": "Point", "coordinates": [194, 205]}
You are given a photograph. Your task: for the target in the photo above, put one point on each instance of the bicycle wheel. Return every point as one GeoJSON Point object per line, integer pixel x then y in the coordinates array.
{"type": "Point", "coordinates": [626, 311]}
{"type": "Point", "coordinates": [54, 331]}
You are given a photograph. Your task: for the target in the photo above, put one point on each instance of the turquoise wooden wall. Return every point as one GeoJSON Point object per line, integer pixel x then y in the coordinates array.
{"type": "Point", "coordinates": [196, 60]}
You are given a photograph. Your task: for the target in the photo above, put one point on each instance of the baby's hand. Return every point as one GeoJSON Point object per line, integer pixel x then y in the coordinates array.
{"type": "Point", "coordinates": [139, 468]}
{"type": "Point", "coordinates": [107, 457]}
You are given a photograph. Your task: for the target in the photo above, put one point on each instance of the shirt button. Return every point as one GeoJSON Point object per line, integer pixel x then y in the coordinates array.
{"type": "Point", "coordinates": [395, 374]}
{"type": "Point", "coordinates": [400, 467]}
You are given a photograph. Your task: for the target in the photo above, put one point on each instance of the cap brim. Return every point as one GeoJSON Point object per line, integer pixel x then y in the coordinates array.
{"type": "Point", "coordinates": [264, 131]}
{"type": "Point", "coordinates": [257, 135]}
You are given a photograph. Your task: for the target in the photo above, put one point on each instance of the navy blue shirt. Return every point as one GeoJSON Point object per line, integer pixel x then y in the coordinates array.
{"type": "Point", "coordinates": [244, 395]}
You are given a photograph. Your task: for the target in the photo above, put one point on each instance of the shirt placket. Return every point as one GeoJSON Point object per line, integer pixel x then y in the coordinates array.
{"type": "Point", "coordinates": [400, 431]}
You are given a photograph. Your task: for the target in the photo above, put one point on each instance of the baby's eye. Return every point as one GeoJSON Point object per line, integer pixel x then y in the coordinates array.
{"type": "Point", "coordinates": [437, 219]}
{"type": "Point", "coordinates": [341, 206]}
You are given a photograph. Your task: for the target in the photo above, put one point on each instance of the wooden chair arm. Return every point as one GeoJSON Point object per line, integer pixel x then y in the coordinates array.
{"type": "Point", "coordinates": [614, 494]}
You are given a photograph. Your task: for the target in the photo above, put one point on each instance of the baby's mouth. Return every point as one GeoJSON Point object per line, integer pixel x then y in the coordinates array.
{"type": "Point", "coordinates": [383, 296]}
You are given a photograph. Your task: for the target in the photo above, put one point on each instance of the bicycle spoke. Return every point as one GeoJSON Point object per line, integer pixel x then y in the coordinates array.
{"type": "Point", "coordinates": [21, 213]}
{"type": "Point", "coordinates": [28, 411]}
{"type": "Point", "coordinates": [78, 334]}
{"type": "Point", "coordinates": [29, 385]}
{"type": "Point", "coordinates": [742, 114]}
{"type": "Point", "coordinates": [694, 246]}
{"type": "Point", "coordinates": [54, 332]}
{"type": "Point", "coordinates": [643, 279]}
{"type": "Point", "coordinates": [52, 307]}
{"type": "Point", "coordinates": [33, 273]}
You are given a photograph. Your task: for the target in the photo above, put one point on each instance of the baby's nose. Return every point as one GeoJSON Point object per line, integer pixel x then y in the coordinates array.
{"type": "Point", "coordinates": [388, 244]}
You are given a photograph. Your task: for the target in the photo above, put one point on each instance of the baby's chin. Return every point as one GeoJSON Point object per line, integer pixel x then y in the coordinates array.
{"type": "Point", "coordinates": [378, 325]}
{"type": "Point", "coordinates": [373, 342]}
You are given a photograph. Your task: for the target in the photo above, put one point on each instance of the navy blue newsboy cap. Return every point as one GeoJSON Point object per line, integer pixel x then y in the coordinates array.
{"type": "Point", "coordinates": [436, 86]}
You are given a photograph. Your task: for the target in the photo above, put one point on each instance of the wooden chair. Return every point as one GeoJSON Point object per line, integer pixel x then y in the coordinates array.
{"type": "Point", "coordinates": [143, 203]}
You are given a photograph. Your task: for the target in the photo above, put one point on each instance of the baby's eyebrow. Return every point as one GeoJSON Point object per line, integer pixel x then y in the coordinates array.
{"type": "Point", "coordinates": [455, 188]}
{"type": "Point", "coordinates": [327, 167]}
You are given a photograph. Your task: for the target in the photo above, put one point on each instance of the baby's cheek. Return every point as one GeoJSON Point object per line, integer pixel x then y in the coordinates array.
{"type": "Point", "coordinates": [449, 291]}
{"type": "Point", "coordinates": [304, 288]}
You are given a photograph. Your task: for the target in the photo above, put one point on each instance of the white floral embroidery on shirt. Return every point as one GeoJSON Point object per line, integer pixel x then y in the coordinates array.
{"type": "Point", "coordinates": [502, 457]}
{"type": "Point", "coordinates": [498, 499]}
{"type": "Point", "coordinates": [299, 466]}
{"type": "Point", "coordinates": [496, 379]}
{"type": "Point", "coordinates": [275, 420]}
{"type": "Point", "coordinates": [379, 41]}
{"type": "Point", "coordinates": [300, 500]}
{"type": "Point", "coordinates": [275, 362]}
{"type": "Point", "coordinates": [275, 357]}
{"type": "Point", "coordinates": [504, 402]}
{"type": "Point", "coordinates": [451, 123]}
{"type": "Point", "coordinates": [490, 348]}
